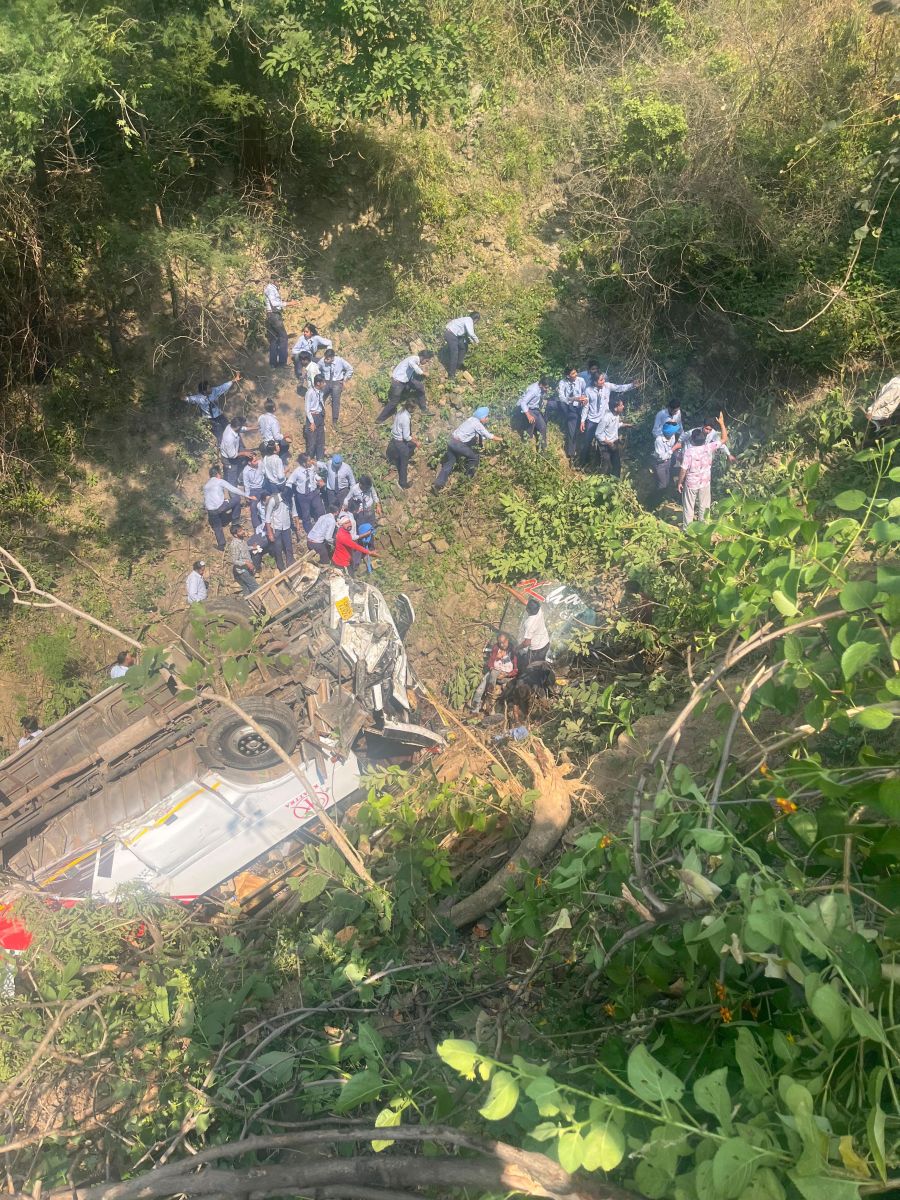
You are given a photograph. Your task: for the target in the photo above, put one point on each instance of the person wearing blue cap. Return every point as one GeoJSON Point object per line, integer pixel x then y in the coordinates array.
{"type": "Point", "coordinates": [464, 443]}
{"type": "Point", "coordinates": [665, 445]}
{"type": "Point", "coordinates": [339, 479]}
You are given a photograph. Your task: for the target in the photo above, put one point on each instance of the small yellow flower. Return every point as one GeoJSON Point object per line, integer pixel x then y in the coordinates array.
{"type": "Point", "coordinates": [609, 1009]}
{"type": "Point", "coordinates": [786, 806]}
{"type": "Point", "coordinates": [605, 841]}
{"type": "Point", "coordinates": [539, 882]}
{"type": "Point", "coordinates": [726, 1014]}
{"type": "Point", "coordinates": [764, 770]}
{"type": "Point", "coordinates": [720, 990]}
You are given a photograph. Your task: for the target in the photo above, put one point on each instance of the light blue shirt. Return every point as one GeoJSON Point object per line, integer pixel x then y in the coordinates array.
{"type": "Point", "coordinates": [208, 402]}
{"type": "Point", "coordinates": [197, 590]}
{"type": "Point", "coordinates": [570, 391]}
{"type": "Point", "coordinates": [401, 430]}
{"type": "Point", "coordinates": [608, 427]}
{"type": "Point", "coordinates": [339, 477]}
{"type": "Point", "coordinates": [269, 428]}
{"type": "Point", "coordinates": [338, 370]}
{"type": "Point", "coordinates": [531, 398]}
{"type": "Point", "coordinates": [664, 417]}
{"type": "Point", "coordinates": [304, 479]}
{"type": "Point", "coordinates": [253, 477]}
{"type": "Point", "coordinates": [313, 344]}
{"type": "Point", "coordinates": [313, 403]}
{"type": "Point", "coordinates": [469, 430]}
{"type": "Point", "coordinates": [463, 327]}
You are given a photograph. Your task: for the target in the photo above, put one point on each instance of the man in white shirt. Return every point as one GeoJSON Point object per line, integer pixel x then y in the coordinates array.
{"type": "Point", "coordinates": [273, 470]}
{"type": "Point", "coordinates": [370, 508]}
{"type": "Point", "coordinates": [31, 731]}
{"type": "Point", "coordinates": [665, 445]}
{"type": "Point", "coordinates": [216, 492]}
{"type": "Point", "coordinates": [606, 437]}
{"type": "Point", "coordinates": [408, 380]}
{"type": "Point", "coordinates": [270, 429]}
{"type": "Point", "coordinates": [253, 477]}
{"type": "Point", "coordinates": [278, 528]}
{"type": "Point", "coordinates": [314, 424]}
{"type": "Point", "coordinates": [339, 479]}
{"type": "Point", "coordinates": [529, 410]}
{"type": "Point", "coordinates": [320, 538]}
{"type": "Point", "coordinates": [306, 370]}
{"type": "Point", "coordinates": [459, 334]}
{"type": "Point", "coordinates": [598, 395]}
{"type": "Point", "coordinates": [207, 399]}
{"type": "Point", "coordinates": [571, 397]}
{"type": "Point", "coordinates": [307, 485]}
{"type": "Point", "coordinates": [278, 338]}
{"type": "Point", "coordinates": [124, 660]}
{"type": "Point", "coordinates": [462, 444]}
{"type": "Point", "coordinates": [402, 444]}
{"type": "Point", "coordinates": [231, 447]}
{"type": "Point", "coordinates": [534, 639]}
{"type": "Point", "coordinates": [672, 412]}
{"type": "Point", "coordinates": [336, 371]}
{"type": "Point", "coordinates": [195, 584]}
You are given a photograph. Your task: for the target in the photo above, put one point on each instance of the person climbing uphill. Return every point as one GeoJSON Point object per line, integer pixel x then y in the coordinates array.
{"type": "Point", "coordinates": [464, 443]}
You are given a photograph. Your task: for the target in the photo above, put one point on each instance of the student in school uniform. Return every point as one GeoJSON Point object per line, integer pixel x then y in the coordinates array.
{"type": "Point", "coordinates": [207, 399]}
{"type": "Point", "coordinates": [279, 530]}
{"type": "Point", "coordinates": [218, 504]}
{"type": "Point", "coordinates": [320, 539]}
{"type": "Point", "coordinates": [273, 469]}
{"type": "Point", "coordinates": [463, 444]}
{"type": "Point", "coordinates": [402, 445]}
{"type": "Point", "coordinates": [459, 334]}
{"type": "Point", "coordinates": [307, 485]}
{"type": "Point", "coordinates": [529, 410]}
{"type": "Point", "coordinates": [336, 371]}
{"type": "Point", "coordinates": [370, 508]}
{"type": "Point", "coordinates": [307, 370]}
{"type": "Point", "coordinates": [571, 398]}
{"type": "Point", "coordinates": [339, 479]}
{"type": "Point", "coordinates": [253, 477]}
{"type": "Point", "coordinates": [231, 448]}
{"type": "Point", "coordinates": [310, 341]}
{"type": "Point", "coordinates": [408, 382]}
{"type": "Point", "coordinates": [270, 429]}
{"type": "Point", "coordinates": [314, 427]}
{"type": "Point", "coordinates": [606, 437]}
{"type": "Point", "coordinates": [277, 334]}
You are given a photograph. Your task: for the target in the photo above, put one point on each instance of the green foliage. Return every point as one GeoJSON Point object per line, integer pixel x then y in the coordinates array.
{"type": "Point", "coordinates": [54, 656]}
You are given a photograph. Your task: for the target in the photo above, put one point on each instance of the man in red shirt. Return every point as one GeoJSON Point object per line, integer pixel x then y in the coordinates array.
{"type": "Point", "coordinates": [347, 553]}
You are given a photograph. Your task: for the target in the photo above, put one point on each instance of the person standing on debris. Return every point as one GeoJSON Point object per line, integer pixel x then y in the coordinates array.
{"type": "Point", "coordinates": [278, 530]}
{"type": "Point", "coordinates": [408, 381]}
{"type": "Point", "coordinates": [571, 399]}
{"type": "Point", "coordinates": [216, 491]}
{"type": "Point", "coordinates": [195, 583]}
{"type": "Point", "coordinates": [348, 553]}
{"type": "Point", "coordinates": [459, 334]}
{"type": "Point", "coordinates": [694, 479]}
{"type": "Point", "coordinates": [339, 479]}
{"type": "Point", "coordinates": [277, 334]}
{"type": "Point", "coordinates": [363, 490]}
{"type": "Point", "coordinates": [667, 416]}
{"type": "Point", "coordinates": [242, 567]}
{"type": "Point", "coordinates": [463, 444]}
{"type": "Point", "coordinates": [665, 447]}
{"type": "Point", "coordinates": [320, 538]}
{"type": "Point", "coordinates": [534, 638]}
{"type": "Point", "coordinates": [124, 660]}
{"type": "Point", "coordinates": [309, 342]}
{"type": "Point", "coordinates": [502, 665]}
{"type": "Point", "coordinates": [307, 485]}
{"type": "Point", "coordinates": [530, 409]}
{"type": "Point", "coordinates": [336, 371]}
{"type": "Point", "coordinates": [207, 400]}
{"type": "Point", "coordinates": [606, 435]}
{"type": "Point", "coordinates": [402, 444]}
{"type": "Point", "coordinates": [30, 731]}
{"type": "Point", "coordinates": [314, 427]}
{"type": "Point", "coordinates": [231, 448]}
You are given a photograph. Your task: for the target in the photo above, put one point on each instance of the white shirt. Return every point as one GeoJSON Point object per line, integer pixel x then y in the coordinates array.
{"type": "Point", "coordinates": [369, 499]}
{"type": "Point", "coordinates": [323, 530]}
{"type": "Point", "coordinates": [401, 430]}
{"type": "Point", "coordinates": [531, 398]}
{"type": "Point", "coordinates": [338, 369]}
{"type": "Point", "coordinates": [278, 515]}
{"type": "Point", "coordinates": [595, 406]}
{"type": "Point", "coordinates": [29, 737]}
{"type": "Point", "coordinates": [608, 427]}
{"type": "Point", "coordinates": [273, 468]}
{"type": "Point", "coordinates": [230, 444]}
{"type": "Point", "coordinates": [886, 402]}
{"type": "Point", "coordinates": [570, 391]}
{"type": "Point", "coordinates": [313, 402]}
{"type": "Point", "coordinates": [663, 446]}
{"type": "Point", "coordinates": [214, 492]}
{"type": "Point", "coordinates": [274, 302]}
{"type": "Point", "coordinates": [534, 630]}
{"type": "Point", "coordinates": [310, 374]}
{"type": "Point", "coordinates": [269, 429]}
{"type": "Point", "coordinates": [208, 402]}
{"type": "Point", "coordinates": [469, 430]}
{"type": "Point", "coordinates": [304, 479]}
{"type": "Point", "coordinates": [260, 526]}
{"type": "Point", "coordinates": [253, 477]}
{"type": "Point", "coordinates": [463, 327]}
{"type": "Point", "coordinates": [196, 588]}
{"type": "Point", "coordinates": [339, 477]}
{"type": "Point", "coordinates": [664, 417]}
{"type": "Point", "coordinates": [117, 670]}
{"type": "Point", "coordinates": [407, 368]}
{"type": "Point", "coordinates": [313, 344]}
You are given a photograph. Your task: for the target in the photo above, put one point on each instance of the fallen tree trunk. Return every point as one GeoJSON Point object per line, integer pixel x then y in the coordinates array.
{"type": "Point", "coordinates": [552, 812]}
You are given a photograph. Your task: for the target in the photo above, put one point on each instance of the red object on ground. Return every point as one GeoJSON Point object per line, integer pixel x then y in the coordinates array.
{"type": "Point", "coordinates": [14, 935]}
